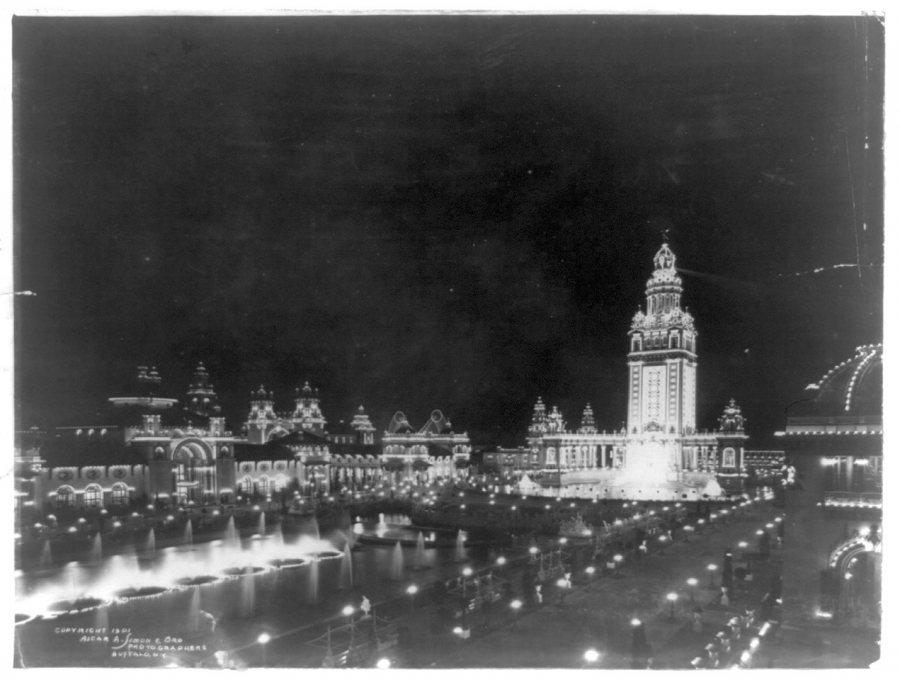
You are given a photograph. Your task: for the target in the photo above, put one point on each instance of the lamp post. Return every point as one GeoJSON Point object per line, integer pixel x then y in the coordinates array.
{"type": "Point", "coordinates": [640, 651]}
{"type": "Point", "coordinates": [617, 560]}
{"type": "Point", "coordinates": [515, 605]}
{"type": "Point", "coordinates": [672, 598]}
{"type": "Point", "coordinates": [383, 663]}
{"type": "Point", "coordinates": [692, 583]}
{"type": "Point", "coordinates": [562, 584]}
{"type": "Point", "coordinates": [711, 568]}
{"type": "Point", "coordinates": [591, 656]}
{"type": "Point", "coordinates": [590, 571]}
{"type": "Point", "coordinates": [348, 612]}
{"type": "Point", "coordinates": [411, 591]}
{"type": "Point", "coordinates": [466, 572]}
{"type": "Point", "coordinates": [263, 640]}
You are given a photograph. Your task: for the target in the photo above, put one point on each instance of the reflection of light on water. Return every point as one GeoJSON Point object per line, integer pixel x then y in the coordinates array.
{"type": "Point", "coordinates": [121, 574]}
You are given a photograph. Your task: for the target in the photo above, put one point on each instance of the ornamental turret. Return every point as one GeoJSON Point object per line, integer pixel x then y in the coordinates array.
{"type": "Point", "coordinates": [538, 419]}
{"type": "Point", "coordinates": [365, 431]}
{"type": "Point", "coordinates": [201, 398]}
{"type": "Point", "coordinates": [731, 438]}
{"type": "Point", "coordinates": [731, 421]}
{"type": "Point", "coordinates": [262, 417]}
{"type": "Point", "coordinates": [149, 381]}
{"type": "Point", "coordinates": [587, 421]}
{"type": "Point", "coordinates": [307, 414]}
{"type": "Point", "coordinates": [555, 422]}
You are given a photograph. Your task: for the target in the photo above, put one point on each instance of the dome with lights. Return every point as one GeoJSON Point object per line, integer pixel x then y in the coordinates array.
{"type": "Point", "coordinates": [852, 387]}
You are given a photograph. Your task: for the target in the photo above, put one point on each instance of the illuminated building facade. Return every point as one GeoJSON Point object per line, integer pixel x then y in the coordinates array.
{"type": "Point", "coordinates": [660, 454]}
{"type": "Point", "coordinates": [833, 500]}
{"type": "Point", "coordinates": [433, 451]}
{"type": "Point", "coordinates": [158, 449]}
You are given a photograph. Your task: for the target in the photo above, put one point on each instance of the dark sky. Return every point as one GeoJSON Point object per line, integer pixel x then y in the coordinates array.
{"type": "Point", "coordinates": [441, 212]}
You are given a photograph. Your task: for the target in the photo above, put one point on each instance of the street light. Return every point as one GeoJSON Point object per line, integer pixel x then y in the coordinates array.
{"type": "Point", "coordinates": [692, 582]}
{"type": "Point", "coordinates": [711, 568]}
{"type": "Point", "coordinates": [590, 571]}
{"type": "Point", "coordinates": [515, 605]}
{"type": "Point", "coordinates": [263, 640]}
{"type": "Point", "coordinates": [383, 663]}
{"type": "Point", "coordinates": [348, 612]}
{"type": "Point", "coordinates": [501, 561]}
{"type": "Point", "coordinates": [672, 598]}
{"type": "Point", "coordinates": [592, 656]}
{"type": "Point", "coordinates": [562, 584]}
{"type": "Point", "coordinates": [617, 560]}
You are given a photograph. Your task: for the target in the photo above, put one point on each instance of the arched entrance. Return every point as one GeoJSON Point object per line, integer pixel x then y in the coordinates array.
{"type": "Point", "coordinates": [194, 473]}
{"type": "Point", "coordinates": [855, 593]}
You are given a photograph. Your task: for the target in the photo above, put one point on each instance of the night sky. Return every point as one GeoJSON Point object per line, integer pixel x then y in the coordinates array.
{"type": "Point", "coordinates": [441, 212]}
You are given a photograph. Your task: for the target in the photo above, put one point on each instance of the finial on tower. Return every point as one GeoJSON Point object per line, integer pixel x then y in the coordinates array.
{"type": "Point", "coordinates": [664, 258]}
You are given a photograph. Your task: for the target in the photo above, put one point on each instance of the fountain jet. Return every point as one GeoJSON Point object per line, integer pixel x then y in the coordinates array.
{"type": "Point", "coordinates": [397, 563]}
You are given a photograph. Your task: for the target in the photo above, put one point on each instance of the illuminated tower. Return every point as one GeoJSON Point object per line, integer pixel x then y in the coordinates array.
{"type": "Point", "coordinates": [307, 413]}
{"type": "Point", "coordinates": [662, 363]}
{"type": "Point", "coordinates": [201, 397]}
{"type": "Point", "coordinates": [363, 427]}
{"type": "Point", "coordinates": [262, 418]}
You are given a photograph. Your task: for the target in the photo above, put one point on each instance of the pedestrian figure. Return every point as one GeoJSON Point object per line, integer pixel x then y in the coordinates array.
{"type": "Point", "coordinates": [724, 601]}
{"type": "Point", "coordinates": [366, 606]}
{"type": "Point", "coordinates": [538, 597]}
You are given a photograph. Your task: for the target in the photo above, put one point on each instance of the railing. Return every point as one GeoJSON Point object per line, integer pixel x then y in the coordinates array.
{"type": "Point", "coordinates": [869, 500]}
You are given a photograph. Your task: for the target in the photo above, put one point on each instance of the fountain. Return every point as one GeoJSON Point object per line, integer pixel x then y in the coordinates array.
{"type": "Point", "coordinates": [419, 558]}
{"type": "Point", "coordinates": [314, 581]}
{"type": "Point", "coordinates": [397, 563]}
{"type": "Point", "coordinates": [232, 540]}
{"type": "Point", "coordinates": [459, 553]}
{"type": "Point", "coordinates": [46, 559]}
{"type": "Point", "coordinates": [248, 592]}
{"type": "Point", "coordinates": [314, 528]}
{"type": "Point", "coordinates": [70, 577]}
{"type": "Point", "coordinates": [194, 609]}
{"type": "Point", "coordinates": [149, 544]}
{"type": "Point", "coordinates": [129, 579]}
{"type": "Point", "coordinates": [188, 539]}
{"type": "Point", "coordinates": [261, 526]}
{"type": "Point", "coordinates": [97, 549]}
{"type": "Point", "coordinates": [101, 618]}
{"type": "Point", "coordinates": [346, 569]}
{"type": "Point", "coordinates": [277, 537]}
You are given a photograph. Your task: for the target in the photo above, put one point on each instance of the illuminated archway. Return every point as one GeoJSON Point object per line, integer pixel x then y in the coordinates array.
{"type": "Point", "coordinates": [193, 471]}
{"type": "Point", "coordinates": [854, 566]}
